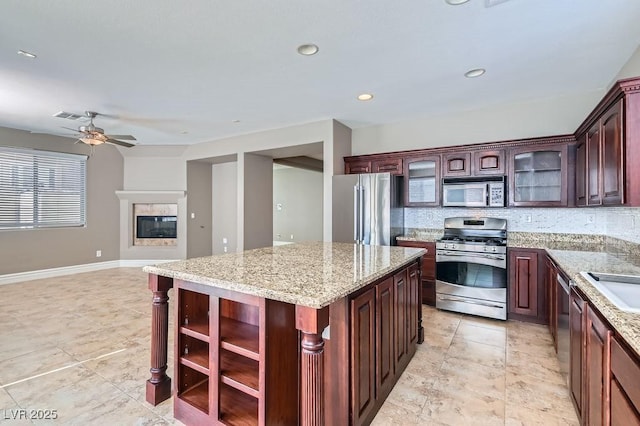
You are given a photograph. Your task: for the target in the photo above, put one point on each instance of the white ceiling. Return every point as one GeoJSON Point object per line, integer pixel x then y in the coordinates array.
{"type": "Point", "coordinates": [164, 67]}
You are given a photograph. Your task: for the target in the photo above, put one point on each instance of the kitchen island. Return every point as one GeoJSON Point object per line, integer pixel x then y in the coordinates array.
{"type": "Point", "coordinates": [259, 335]}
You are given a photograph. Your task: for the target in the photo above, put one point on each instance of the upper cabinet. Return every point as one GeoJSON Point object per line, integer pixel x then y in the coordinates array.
{"type": "Point", "coordinates": [488, 162]}
{"type": "Point", "coordinates": [456, 164]}
{"type": "Point", "coordinates": [356, 165]}
{"type": "Point", "coordinates": [608, 144]}
{"type": "Point", "coordinates": [422, 181]}
{"type": "Point", "coordinates": [538, 176]}
{"type": "Point", "coordinates": [600, 160]}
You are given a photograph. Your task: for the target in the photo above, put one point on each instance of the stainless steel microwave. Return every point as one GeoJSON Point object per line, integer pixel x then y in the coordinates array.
{"type": "Point", "coordinates": [487, 191]}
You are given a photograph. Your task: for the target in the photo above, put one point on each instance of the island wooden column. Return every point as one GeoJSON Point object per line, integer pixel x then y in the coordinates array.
{"type": "Point", "coordinates": [159, 385]}
{"type": "Point", "coordinates": [311, 322]}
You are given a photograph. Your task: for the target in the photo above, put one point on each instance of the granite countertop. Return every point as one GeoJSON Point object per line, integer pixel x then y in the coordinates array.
{"type": "Point", "coordinates": [313, 274]}
{"type": "Point", "coordinates": [626, 324]}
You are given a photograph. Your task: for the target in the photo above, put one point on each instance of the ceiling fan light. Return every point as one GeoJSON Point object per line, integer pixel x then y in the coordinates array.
{"type": "Point", "coordinates": [93, 141]}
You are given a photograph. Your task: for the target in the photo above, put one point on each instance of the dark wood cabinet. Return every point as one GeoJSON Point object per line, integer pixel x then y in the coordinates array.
{"type": "Point", "coordinates": [384, 335]}
{"type": "Point", "coordinates": [577, 342]}
{"type": "Point", "coordinates": [625, 386]}
{"type": "Point", "coordinates": [538, 176]}
{"type": "Point", "coordinates": [527, 296]}
{"type": "Point", "coordinates": [422, 181]}
{"type": "Point", "coordinates": [489, 162]}
{"type": "Point", "coordinates": [600, 161]}
{"type": "Point", "coordinates": [225, 374]}
{"type": "Point", "coordinates": [400, 293]}
{"type": "Point", "coordinates": [581, 171]}
{"type": "Point", "coordinates": [363, 354]}
{"type": "Point", "coordinates": [428, 275]}
{"type": "Point", "coordinates": [597, 366]}
{"type": "Point", "coordinates": [456, 164]}
{"type": "Point", "coordinates": [386, 164]}
{"type": "Point", "coordinates": [413, 306]}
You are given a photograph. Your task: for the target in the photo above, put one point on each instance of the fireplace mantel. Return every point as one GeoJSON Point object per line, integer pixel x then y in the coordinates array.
{"type": "Point", "coordinates": [128, 250]}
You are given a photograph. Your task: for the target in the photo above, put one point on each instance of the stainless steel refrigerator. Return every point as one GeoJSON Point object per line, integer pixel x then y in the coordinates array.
{"type": "Point", "coordinates": [367, 208]}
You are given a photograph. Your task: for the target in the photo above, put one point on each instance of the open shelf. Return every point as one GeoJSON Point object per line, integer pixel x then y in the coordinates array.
{"type": "Point", "coordinates": [194, 353]}
{"type": "Point", "coordinates": [240, 337]}
{"type": "Point", "coordinates": [237, 408]}
{"type": "Point", "coordinates": [198, 331]}
{"type": "Point", "coordinates": [194, 388]}
{"type": "Point", "coordinates": [240, 373]}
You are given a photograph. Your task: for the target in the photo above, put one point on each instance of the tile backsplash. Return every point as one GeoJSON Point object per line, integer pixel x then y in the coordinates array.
{"type": "Point", "coordinates": [622, 223]}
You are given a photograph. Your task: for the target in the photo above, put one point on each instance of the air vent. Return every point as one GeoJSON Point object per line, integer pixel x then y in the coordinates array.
{"type": "Point", "coordinates": [67, 115]}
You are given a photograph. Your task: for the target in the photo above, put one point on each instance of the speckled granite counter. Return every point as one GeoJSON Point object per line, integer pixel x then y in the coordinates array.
{"type": "Point", "coordinates": [311, 274]}
{"type": "Point", "coordinates": [626, 324]}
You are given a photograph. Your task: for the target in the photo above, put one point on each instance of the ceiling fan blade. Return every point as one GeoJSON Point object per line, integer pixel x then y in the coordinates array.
{"type": "Point", "coordinates": [69, 128]}
{"type": "Point", "coordinates": [123, 137]}
{"type": "Point", "coordinates": [121, 143]}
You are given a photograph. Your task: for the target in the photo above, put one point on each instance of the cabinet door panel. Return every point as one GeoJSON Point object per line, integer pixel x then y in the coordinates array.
{"type": "Point", "coordinates": [593, 165]}
{"type": "Point", "coordinates": [422, 181]}
{"type": "Point", "coordinates": [357, 166]}
{"type": "Point", "coordinates": [598, 381]}
{"type": "Point", "coordinates": [400, 306]}
{"type": "Point", "coordinates": [523, 282]}
{"type": "Point", "coordinates": [622, 412]}
{"type": "Point", "coordinates": [384, 334]}
{"type": "Point", "coordinates": [390, 165]}
{"type": "Point", "coordinates": [488, 162]}
{"type": "Point", "coordinates": [538, 176]}
{"type": "Point", "coordinates": [456, 164]}
{"type": "Point", "coordinates": [581, 172]}
{"type": "Point", "coordinates": [612, 156]}
{"type": "Point", "coordinates": [363, 354]}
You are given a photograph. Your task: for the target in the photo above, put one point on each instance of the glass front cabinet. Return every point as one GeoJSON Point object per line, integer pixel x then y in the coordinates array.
{"type": "Point", "coordinates": [422, 181]}
{"type": "Point", "coordinates": [538, 176]}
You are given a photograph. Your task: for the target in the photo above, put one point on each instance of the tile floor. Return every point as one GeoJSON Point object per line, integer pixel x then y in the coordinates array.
{"type": "Point", "coordinates": [79, 344]}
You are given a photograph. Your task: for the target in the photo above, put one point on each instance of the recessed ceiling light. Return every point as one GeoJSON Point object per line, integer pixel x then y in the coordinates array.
{"type": "Point", "coordinates": [26, 54]}
{"type": "Point", "coordinates": [235, 121]}
{"type": "Point", "coordinates": [456, 2]}
{"type": "Point", "coordinates": [308, 49]}
{"type": "Point", "coordinates": [184, 132]}
{"type": "Point", "coordinates": [365, 97]}
{"type": "Point", "coordinates": [475, 73]}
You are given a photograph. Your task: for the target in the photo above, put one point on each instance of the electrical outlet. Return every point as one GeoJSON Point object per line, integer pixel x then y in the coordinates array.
{"type": "Point", "coordinates": [98, 253]}
{"type": "Point", "coordinates": [225, 249]}
{"type": "Point", "coordinates": [292, 236]}
{"type": "Point", "coordinates": [193, 215]}
{"type": "Point", "coordinates": [591, 218]}
{"type": "Point", "coordinates": [526, 218]}
{"type": "Point", "coordinates": [224, 240]}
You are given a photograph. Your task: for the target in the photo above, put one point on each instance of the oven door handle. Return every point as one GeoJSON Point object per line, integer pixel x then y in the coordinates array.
{"type": "Point", "coordinates": [482, 255]}
{"type": "Point", "coordinates": [472, 302]}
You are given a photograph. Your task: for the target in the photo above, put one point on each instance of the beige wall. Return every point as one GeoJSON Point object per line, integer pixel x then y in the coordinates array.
{"type": "Point", "coordinates": [257, 185]}
{"type": "Point", "coordinates": [27, 250]}
{"type": "Point", "coordinates": [298, 192]}
{"type": "Point", "coordinates": [225, 207]}
{"type": "Point", "coordinates": [198, 209]}
{"type": "Point", "coordinates": [631, 68]}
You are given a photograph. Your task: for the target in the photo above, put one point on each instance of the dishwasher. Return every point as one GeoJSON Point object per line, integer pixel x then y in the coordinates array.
{"type": "Point", "coordinates": [562, 298]}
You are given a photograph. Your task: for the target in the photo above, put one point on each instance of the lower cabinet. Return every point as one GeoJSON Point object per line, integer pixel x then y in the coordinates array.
{"type": "Point", "coordinates": [526, 290]}
{"type": "Point", "coordinates": [383, 337]}
{"type": "Point", "coordinates": [625, 386]}
{"type": "Point", "coordinates": [598, 341]}
{"type": "Point", "coordinates": [428, 276]}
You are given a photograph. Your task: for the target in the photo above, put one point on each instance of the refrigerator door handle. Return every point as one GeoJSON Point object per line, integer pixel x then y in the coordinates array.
{"type": "Point", "coordinates": [362, 214]}
{"type": "Point", "coordinates": [356, 215]}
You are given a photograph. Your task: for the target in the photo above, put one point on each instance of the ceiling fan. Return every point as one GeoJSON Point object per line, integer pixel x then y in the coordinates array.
{"type": "Point", "coordinates": [92, 135]}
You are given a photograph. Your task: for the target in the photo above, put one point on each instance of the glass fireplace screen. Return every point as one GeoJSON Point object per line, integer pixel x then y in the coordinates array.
{"type": "Point", "coordinates": [156, 226]}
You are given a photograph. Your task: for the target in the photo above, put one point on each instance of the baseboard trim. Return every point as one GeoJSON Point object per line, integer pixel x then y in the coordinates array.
{"type": "Point", "coordinates": [76, 269]}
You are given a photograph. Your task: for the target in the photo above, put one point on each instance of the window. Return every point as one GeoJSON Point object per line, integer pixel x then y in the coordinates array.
{"type": "Point", "coordinates": [41, 189]}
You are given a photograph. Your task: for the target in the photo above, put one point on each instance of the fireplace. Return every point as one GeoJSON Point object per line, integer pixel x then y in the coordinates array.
{"type": "Point", "coordinates": [156, 226]}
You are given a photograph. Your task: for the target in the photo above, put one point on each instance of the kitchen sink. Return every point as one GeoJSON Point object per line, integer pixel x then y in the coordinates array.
{"type": "Point", "coordinates": [622, 290]}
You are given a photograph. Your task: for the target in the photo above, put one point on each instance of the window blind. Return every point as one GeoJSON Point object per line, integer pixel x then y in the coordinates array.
{"type": "Point", "coordinates": [42, 189]}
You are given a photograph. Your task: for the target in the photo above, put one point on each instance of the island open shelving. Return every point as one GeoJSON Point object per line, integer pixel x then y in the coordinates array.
{"type": "Point", "coordinates": [249, 350]}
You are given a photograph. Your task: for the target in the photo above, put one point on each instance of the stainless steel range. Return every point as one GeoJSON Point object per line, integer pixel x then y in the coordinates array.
{"type": "Point", "coordinates": [471, 267]}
